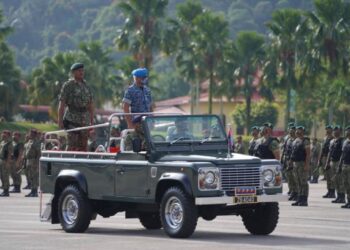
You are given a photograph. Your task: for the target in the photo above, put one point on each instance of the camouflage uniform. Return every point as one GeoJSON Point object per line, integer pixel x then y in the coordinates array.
{"type": "Point", "coordinates": [239, 148]}
{"type": "Point", "coordinates": [137, 134]}
{"type": "Point", "coordinates": [335, 154]}
{"type": "Point", "coordinates": [346, 170]}
{"type": "Point", "coordinates": [17, 160]}
{"type": "Point", "coordinates": [77, 97]}
{"type": "Point", "coordinates": [252, 144]}
{"type": "Point", "coordinates": [299, 158]}
{"type": "Point", "coordinates": [327, 171]}
{"type": "Point", "coordinates": [288, 168]}
{"type": "Point", "coordinates": [5, 164]}
{"type": "Point", "coordinates": [315, 153]}
{"type": "Point", "coordinates": [265, 147]}
{"type": "Point", "coordinates": [32, 154]}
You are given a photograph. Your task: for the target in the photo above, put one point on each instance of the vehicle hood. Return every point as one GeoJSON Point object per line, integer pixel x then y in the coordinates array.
{"type": "Point", "coordinates": [235, 158]}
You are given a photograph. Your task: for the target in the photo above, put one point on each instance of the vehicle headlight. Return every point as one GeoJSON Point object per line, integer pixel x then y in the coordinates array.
{"type": "Point", "coordinates": [208, 178]}
{"type": "Point", "coordinates": [271, 176]}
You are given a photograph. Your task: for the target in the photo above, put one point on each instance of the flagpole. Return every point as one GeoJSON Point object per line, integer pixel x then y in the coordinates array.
{"type": "Point", "coordinates": [229, 140]}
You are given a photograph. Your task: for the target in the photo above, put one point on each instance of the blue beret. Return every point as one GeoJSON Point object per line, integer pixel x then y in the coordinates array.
{"type": "Point", "coordinates": [76, 66]}
{"type": "Point", "coordinates": [140, 72]}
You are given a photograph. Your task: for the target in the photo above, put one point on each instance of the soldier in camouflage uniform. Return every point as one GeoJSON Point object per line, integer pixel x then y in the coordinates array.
{"type": "Point", "coordinates": [92, 143]}
{"type": "Point", "coordinates": [345, 166]}
{"type": "Point", "coordinates": [5, 161]}
{"type": "Point", "coordinates": [301, 160]}
{"type": "Point", "coordinates": [17, 159]}
{"type": "Point", "coordinates": [239, 147]}
{"type": "Point", "coordinates": [267, 146]}
{"type": "Point", "coordinates": [32, 155]}
{"type": "Point", "coordinates": [252, 142]}
{"type": "Point", "coordinates": [288, 164]}
{"type": "Point", "coordinates": [76, 108]}
{"type": "Point", "coordinates": [24, 164]}
{"type": "Point", "coordinates": [315, 155]}
{"type": "Point", "coordinates": [335, 151]}
{"type": "Point", "coordinates": [323, 160]}
{"type": "Point", "coordinates": [137, 134]}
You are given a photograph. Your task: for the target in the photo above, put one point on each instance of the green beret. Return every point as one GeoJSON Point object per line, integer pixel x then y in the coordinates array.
{"type": "Point", "coordinates": [301, 127]}
{"type": "Point", "coordinates": [347, 128]}
{"type": "Point", "coordinates": [291, 124]}
{"type": "Point", "coordinates": [336, 127]}
{"type": "Point", "coordinates": [268, 124]}
{"type": "Point", "coordinates": [76, 66]}
{"type": "Point", "coordinates": [254, 127]}
{"type": "Point", "coordinates": [329, 127]}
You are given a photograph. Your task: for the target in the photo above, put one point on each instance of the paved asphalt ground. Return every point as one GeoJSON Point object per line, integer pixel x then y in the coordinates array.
{"type": "Point", "coordinates": [322, 225]}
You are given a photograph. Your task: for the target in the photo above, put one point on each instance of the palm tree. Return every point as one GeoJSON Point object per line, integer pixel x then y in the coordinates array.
{"type": "Point", "coordinates": [178, 43]}
{"type": "Point", "coordinates": [142, 32]}
{"type": "Point", "coordinates": [209, 40]}
{"type": "Point", "coordinates": [285, 39]}
{"type": "Point", "coordinates": [249, 58]}
{"type": "Point", "coordinates": [330, 35]}
{"type": "Point", "coordinates": [4, 31]}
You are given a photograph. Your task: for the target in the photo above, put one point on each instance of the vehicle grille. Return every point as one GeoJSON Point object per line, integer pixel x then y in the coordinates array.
{"type": "Point", "coordinates": [240, 176]}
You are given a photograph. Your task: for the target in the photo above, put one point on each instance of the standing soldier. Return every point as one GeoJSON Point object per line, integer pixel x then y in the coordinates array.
{"type": "Point", "coordinates": [315, 155]}
{"type": "Point", "coordinates": [252, 142]}
{"type": "Point", "coordinates": [136, 134]}
{"type": "Point", "coordinates": [345, 165]}
{"type": "Point", "coordinates": [5, 161]}
{"type": "Point", "coordinates": [92, 143]}
{"type": "Point", "coordinates": [288, 165]}
{"type": "Point", "coordinates": [76, 108]}
{"type": "Point", "coordinates": [32, 154]}
{"type": "Point", "coordinates": [267, 146]}
{"type": "Point", "coordinates": [301, 159]}
{"type": "Point", "coordinates": [239, 147]}
{"type": "Point", "coordinates": [17, 159]}
{"type": "Point", "coordinates": [335, 151]}
{"type": "Point", "coordinates": [24, 163]}
{"type": "Point", "coordinates": [323, 160]}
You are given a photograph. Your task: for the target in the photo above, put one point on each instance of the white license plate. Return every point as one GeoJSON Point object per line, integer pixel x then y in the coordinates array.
{"type": "Point", "coordinates": [242, 199]}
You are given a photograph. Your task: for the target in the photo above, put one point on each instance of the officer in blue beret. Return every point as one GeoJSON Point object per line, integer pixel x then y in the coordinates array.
{"type": "Point", "coordinates": [137, 97]}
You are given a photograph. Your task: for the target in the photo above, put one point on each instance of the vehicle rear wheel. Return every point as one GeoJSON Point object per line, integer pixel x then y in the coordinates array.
{"type": "Point", "coordinates": [150, 220]}
{"type": "Point", "coordinates": [262, 219]}
{"type": "Point", "coordinates": [179, 214]}
{"type": "Point", "coordinates": [74, 210]}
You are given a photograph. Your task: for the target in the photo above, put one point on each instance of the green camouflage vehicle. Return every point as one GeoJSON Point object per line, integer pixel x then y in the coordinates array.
{"type": "Point", "coordinates": [185, 172]}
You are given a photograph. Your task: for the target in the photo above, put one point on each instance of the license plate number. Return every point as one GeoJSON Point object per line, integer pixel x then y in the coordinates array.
{"type": "Point", "coordinates": [245, 199]}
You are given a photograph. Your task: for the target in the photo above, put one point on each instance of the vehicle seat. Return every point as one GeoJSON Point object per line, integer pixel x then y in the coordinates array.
{"type": "Point", "coordinates": [124, 134]}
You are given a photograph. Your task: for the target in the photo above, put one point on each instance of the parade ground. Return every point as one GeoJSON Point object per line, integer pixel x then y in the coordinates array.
{"type": "Point", "coordinates": [322, 225]}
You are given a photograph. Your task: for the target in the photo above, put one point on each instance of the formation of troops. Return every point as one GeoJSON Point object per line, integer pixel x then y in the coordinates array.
{"type": "Point", "coordinates": [303, 160]}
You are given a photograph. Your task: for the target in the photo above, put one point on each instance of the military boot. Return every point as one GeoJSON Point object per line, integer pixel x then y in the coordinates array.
{"type": "Point", "coordinates": [297, 202]}
{"type": "Point", "coordinates": [29, 194]}
{"type": "Point", "coordinates": [303, 201]}
{"type": "Point", "coordinates": [331, 193]}
{"type": "Point", "coordinates": [33, 193]}
{"type": "Point", "coordinates": [16, 189]}
{"type": "Point", "coordinates": [340, 199]}
{"type": "Point", "coordinates": [326, 195]}
{"type": "Point", "coordinates": [5, 193]}
{"type": "Point", "coordinates": [337, 199]}
{"type": "Point", "coordinates": [28, 186]}
{"type": "Point", "coordinates": [347, 205]}
{"type": "Point", "coordinates": [293, 196]}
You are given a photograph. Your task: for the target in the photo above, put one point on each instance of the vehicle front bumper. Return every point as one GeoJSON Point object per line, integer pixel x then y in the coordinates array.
{"type": "Point", "coordinates": [229, 200]}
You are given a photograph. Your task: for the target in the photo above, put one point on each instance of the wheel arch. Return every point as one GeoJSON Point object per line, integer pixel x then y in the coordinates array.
{"type": "Point", "coordinates": [173, 179]}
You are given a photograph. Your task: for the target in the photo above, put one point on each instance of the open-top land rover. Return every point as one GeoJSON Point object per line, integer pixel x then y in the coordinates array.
{"type": "Point", "coordinates": [184, 172]}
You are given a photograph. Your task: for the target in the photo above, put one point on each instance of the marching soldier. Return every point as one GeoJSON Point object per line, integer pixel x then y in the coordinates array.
{"type": "Point", "coordinates": [288, 165]}
{"type": "Point", "coordinates": [5, 161]}
{"type": "Point", "coordinates": [252, 142]}
{"type": "Point", "coordinates": [335, 151]}
{"type": "Point", "coordinates": [267, 146]}
{"type": "Point", "coordinates": [322, 162]}
{"type": "Point", "coordinates": [32, 155]}
{"type": "Point", "coordinates": [17, 159]}
{"type": "Point", "coordinates": [345, 166]}
{"type": "Point", "coordinates": [315, 153]}
{"type": "Point", "coordinates": [301, 159]}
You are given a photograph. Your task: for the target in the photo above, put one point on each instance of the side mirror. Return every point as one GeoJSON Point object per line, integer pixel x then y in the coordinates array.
{"type": "Point", "coordinates": [136, 145]}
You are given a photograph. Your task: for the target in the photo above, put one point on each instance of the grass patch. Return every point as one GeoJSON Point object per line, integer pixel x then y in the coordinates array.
{"type": "Point", "coordinates": [23, 127]}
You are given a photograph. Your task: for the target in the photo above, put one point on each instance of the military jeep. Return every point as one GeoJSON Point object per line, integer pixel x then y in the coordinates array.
{"type": "Point", "coordinates": [187, 171]}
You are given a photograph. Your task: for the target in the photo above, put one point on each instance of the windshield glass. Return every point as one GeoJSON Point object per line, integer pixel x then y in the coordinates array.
{"type": "Point", "coordinates": [176, 129]}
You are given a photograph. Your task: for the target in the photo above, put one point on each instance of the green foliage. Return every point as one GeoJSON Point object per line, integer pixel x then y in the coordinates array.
{"type": "Point", "coordinates": [24, 127]}
{"type": "Point", "coordinates": [261, 113]}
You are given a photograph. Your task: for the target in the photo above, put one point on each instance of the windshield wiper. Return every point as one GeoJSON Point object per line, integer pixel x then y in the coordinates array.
{"type": "Point", "coordinates": [176, 140]}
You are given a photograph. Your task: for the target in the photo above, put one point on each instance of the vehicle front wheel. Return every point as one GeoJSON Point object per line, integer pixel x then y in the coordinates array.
{"type": "Point", "coordinates": [150, 220]}
{"type": "Point", "coordinates": [262, 219]}
{"type": "Point", "coordinates": [74, 210]}
{"type": "Point", "coordinates": [179, 214]}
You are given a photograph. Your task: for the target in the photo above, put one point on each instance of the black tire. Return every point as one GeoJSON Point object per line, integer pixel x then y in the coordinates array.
{"type": "Point", "coordinates": [150, 220]}
{"type": "Point", "coordinates": [178, 213]}
{"type": "Point", "coordinates": [78, 219]}
{"type": "Point", "coordinates": [262, 219]}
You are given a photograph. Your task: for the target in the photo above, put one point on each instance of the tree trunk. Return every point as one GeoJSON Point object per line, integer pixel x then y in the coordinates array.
{"type": "Point", "coordinates": [192, 95]}
{"type": "Point", "coordinates": [211, 83]}
{"type": "Point", "coordinates": [288, 104]}
{"type": "Point", "coordinates": [248, 102]}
